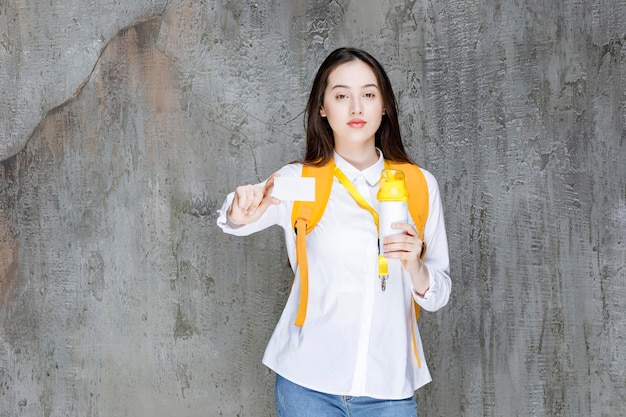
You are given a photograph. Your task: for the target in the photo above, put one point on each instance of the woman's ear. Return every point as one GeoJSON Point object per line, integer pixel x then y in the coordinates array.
{"type": "Point", "coordinates": [322, 112]}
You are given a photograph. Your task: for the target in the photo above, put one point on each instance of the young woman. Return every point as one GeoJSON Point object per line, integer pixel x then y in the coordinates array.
{"type": "Point", "coordinates": [359, 352]}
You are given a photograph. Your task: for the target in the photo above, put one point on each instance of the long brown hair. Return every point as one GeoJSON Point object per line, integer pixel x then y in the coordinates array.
{"type": "Point", "coordinates": [320, 142]}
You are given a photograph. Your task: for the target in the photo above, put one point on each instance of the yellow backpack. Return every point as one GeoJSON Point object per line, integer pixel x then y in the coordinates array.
{"type": "Point", "coordinates": [306, 214]}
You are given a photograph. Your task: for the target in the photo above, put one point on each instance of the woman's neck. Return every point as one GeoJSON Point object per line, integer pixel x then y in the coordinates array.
{"type": "Point", "coordinates": [360, 158]}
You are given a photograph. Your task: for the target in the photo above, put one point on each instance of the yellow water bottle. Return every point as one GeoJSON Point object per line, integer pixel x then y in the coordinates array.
{"type": "Point", "coordinates": [393, 199]}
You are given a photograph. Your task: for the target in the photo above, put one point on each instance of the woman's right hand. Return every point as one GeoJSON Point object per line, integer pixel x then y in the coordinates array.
{"type": "Point", "coordinates": [251, 201]}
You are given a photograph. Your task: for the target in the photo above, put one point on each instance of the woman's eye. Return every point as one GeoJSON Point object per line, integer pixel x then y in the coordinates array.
{"type": "Point", "coordinates": [341, 96]}
{"type": "Point", "coordinates": [369, 95]}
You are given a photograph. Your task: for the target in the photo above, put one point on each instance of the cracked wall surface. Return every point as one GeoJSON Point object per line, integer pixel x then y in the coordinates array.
{"type": "Point", "coordinates": [123, 126]}
{"type": "Point", "coordinates": [47, 50]}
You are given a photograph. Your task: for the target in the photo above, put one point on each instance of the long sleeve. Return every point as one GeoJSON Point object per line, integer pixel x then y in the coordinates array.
{"type": "Point", "coordinates": [437, 259]}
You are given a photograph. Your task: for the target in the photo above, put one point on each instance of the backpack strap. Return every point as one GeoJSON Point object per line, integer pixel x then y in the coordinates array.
{"type": "Point", "coordinates": [304, 217]}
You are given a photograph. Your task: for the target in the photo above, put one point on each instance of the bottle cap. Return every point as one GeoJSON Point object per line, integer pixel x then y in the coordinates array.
{"type": "Point", "coordinates": [392, 186]}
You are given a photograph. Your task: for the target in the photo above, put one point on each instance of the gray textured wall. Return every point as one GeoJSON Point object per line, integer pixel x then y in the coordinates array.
{"type": "Point", "coordinates": [123, 126]}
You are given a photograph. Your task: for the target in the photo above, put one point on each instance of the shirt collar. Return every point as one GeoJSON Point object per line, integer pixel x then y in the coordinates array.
{"type": "Point", "coordinates": [371, 174]}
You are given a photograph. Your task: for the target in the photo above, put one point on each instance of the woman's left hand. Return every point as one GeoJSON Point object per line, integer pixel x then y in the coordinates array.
{"type": "Point", "coordinates": [407, 247]}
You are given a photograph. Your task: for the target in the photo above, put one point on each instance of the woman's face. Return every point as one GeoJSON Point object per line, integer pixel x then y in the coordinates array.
{"type": "Point", "coordinates": [353, 104]}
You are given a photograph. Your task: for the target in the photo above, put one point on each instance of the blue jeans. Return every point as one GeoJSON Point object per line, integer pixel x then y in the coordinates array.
{"type": "Point", "coordinates": [292, 400]}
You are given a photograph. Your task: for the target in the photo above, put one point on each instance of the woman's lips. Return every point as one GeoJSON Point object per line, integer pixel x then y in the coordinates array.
{"type": "Point", "coordinates": [356, 123]}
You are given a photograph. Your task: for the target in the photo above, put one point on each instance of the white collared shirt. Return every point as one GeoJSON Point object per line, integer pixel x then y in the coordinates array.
{"type": "Point", "coordinates": [357, 339]}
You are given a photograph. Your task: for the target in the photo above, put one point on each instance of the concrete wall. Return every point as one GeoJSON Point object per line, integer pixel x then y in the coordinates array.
{"type": "Point", "coordinates": [123, 126]}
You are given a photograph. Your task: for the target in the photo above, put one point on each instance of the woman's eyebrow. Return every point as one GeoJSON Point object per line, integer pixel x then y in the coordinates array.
{"type": "Point", "coordinates": [348, 87]}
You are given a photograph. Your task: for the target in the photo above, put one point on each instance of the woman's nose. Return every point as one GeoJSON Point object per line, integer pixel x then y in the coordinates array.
{"type": "Point", "coordinates": [355, 106]}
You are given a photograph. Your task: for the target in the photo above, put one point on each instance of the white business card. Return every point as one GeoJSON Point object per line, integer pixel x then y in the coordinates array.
{"type": "Point", "coordinates": [294, 189]}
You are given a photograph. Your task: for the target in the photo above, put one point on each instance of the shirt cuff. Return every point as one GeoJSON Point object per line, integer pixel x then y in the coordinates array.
{"type": "Point", "coordinates": [429, 291]}
{"type": "Point", "coordinates": [222, 215]}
